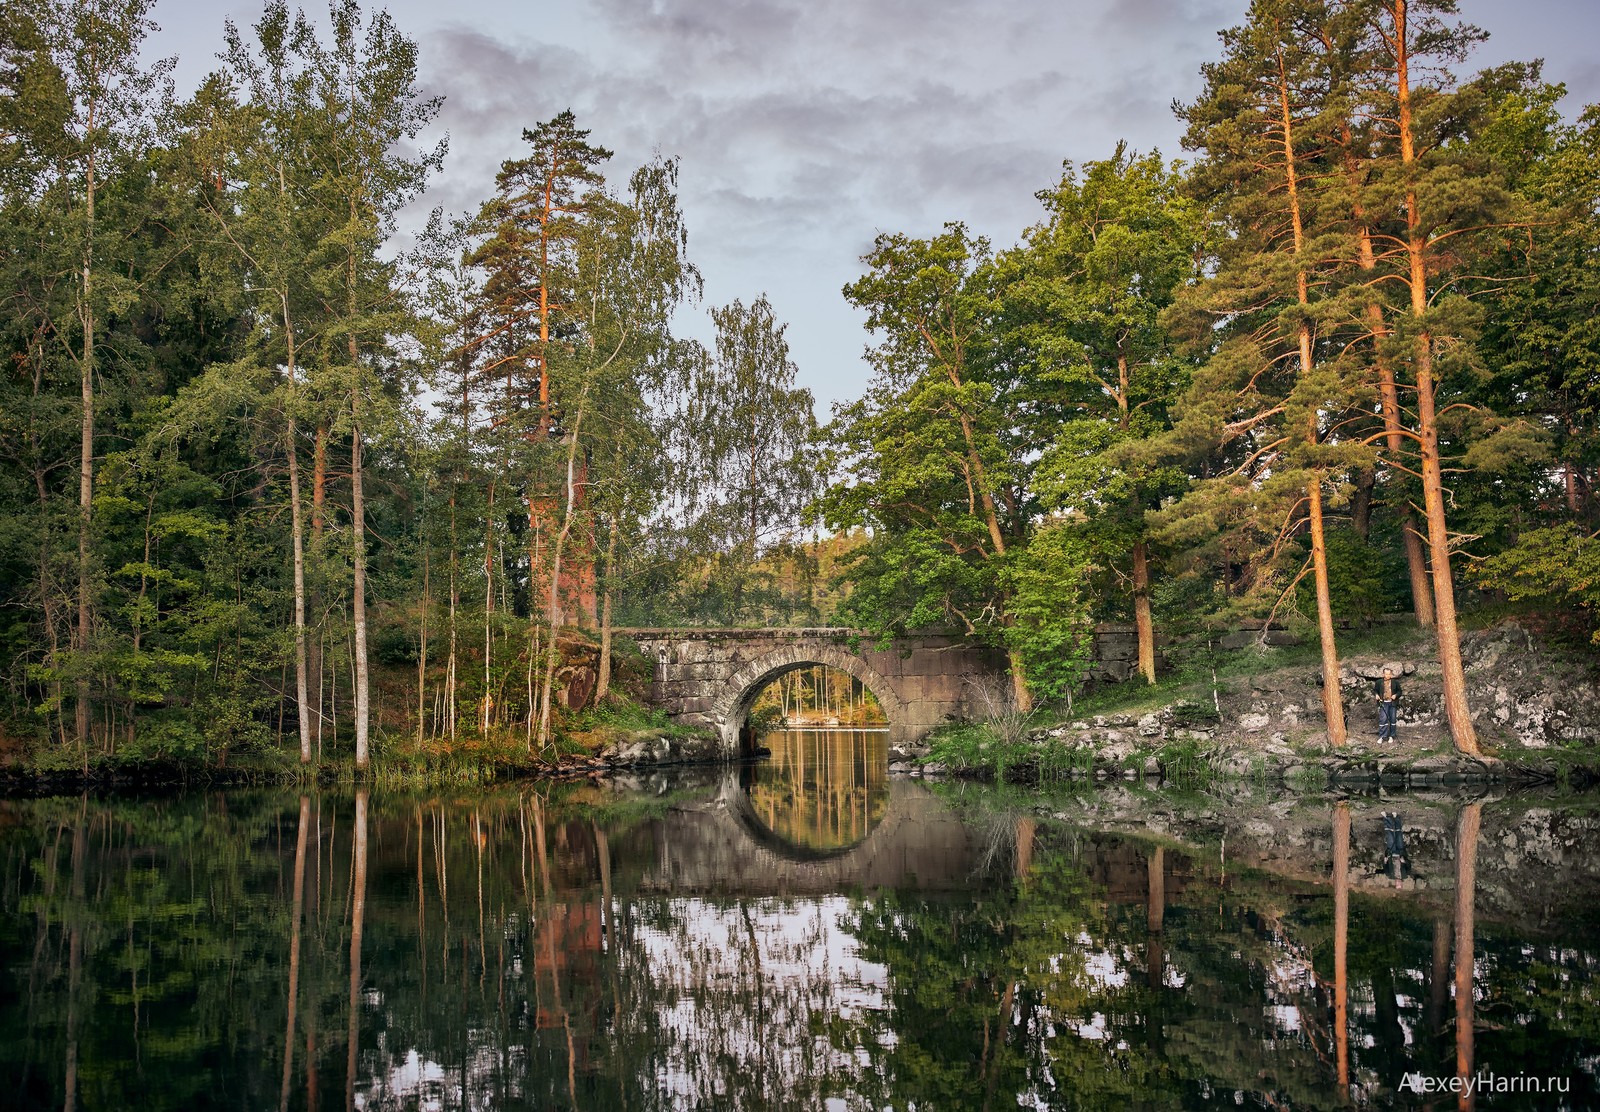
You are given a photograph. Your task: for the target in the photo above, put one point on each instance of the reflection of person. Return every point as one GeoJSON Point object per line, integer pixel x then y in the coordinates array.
{"type": "Point", "coordinates": [1387, 689]}
{"type": "Point", "coordinates": [1397, 865]}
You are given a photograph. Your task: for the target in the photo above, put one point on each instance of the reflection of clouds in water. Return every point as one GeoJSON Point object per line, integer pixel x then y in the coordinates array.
{"type": "Point", "coordinates": [742, 986]}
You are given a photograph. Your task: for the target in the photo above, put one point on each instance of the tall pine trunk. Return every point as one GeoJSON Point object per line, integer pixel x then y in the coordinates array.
{"type": "Point", "coordinates": [86, 450]}
{"type": "Point", "coordinates": [1457, 710]}
{"type": "Point", "coordinates": [1388, 393]}
{"type": "Point", "coordinates": [1332, 700]}
{"type": "Point", "coordinates": [297, 530]}
{"type": "Point", "coordinates": [358, 592]}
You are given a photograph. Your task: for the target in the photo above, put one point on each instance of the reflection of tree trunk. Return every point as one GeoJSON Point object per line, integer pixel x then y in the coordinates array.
{"type": "Point", "coordinates": [613, 953]}
{"type": "Point", "coordinates": [992, 1053]}
{"type": "Point", "coordinates": [1155, 913]}
{"type": "Point", "coordinates": [74, 963]}
{"type": "Point", "coordinates": [294, 946]}
{"type": "Point", "coordinates": [1466, 890]}
{"type": "Point", "coordinates": [539, 843]}
{"type": "Point", "coordinates": [483, 952]}
{"type": "Point", "coordinates": [1439, 980]}
{"type": "Point", "coordinates": [358, 909]}
{"type": "Point", "coordinates": [422, 916]}
{"type": "Point", "coordinates": [1388, 1034]}
{"type": "Point", "coordinates": [1156, 904]}
{"type": "Point", "coordinates": [1341, 943]}
{"type": "Point", "coordinates": [1024, 860]}
{"type": "Point", "coordinates": [315, 912]}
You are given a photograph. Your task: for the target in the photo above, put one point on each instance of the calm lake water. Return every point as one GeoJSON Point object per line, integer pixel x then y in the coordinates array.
{"type": "Point", "coordinates": [802, 933]}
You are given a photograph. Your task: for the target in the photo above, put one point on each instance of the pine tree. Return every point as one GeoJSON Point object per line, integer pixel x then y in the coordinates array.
{"type": "Point", "coordinates": [1264, 124]}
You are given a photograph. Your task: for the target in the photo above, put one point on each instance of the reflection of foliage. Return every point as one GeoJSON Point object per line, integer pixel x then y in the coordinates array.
{"type": "Point", "coordinates": [496, 972]}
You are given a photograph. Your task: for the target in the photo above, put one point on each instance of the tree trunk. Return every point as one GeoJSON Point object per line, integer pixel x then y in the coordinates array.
{"type": "Point", "coordinates": [1332, 703]}
{"type": "Point", "coordinates": [551, 653]}
{"type": "Point", "coordinates": [302, 685]}
{"type": "Point", "coordinates": [85, 456]}
{"type": "Point", "coordinates": [603, 684]}
{"type": "Point", "coordinates": [358, 592]}
{"type": "Point", "coordinates": [1389, 401]}
{"type": "Point", "coordinates": [1332, 695]}
{"type": "Point", "coordinates": [1019, 682]}
{"type": "Point", "coordinates": [319, 497]}
{"type": "Point", "coordinates": [1456, 708]}
{"type": "Point", "coordinates": [1416, 562]}
{"type": "Point", "coordinates": [488, 612]}
{"type": "Point", "coordinates": [1361, 502]}
{"type": "Point", "coordinates": [422, 654]}
{"type": "Point", "coordinates": [450, 669]}
{"type": "Point", "coordinates": [1141, 612]}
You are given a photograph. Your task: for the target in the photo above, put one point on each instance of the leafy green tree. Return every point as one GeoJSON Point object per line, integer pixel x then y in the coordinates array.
{"type": "Point", "coordinates": [88, 104]}
{"type": "Point", "coordinates": [927, 460]}
{"type": "Point", "coordinates": [261, 205]}
{"type": "Point", "coordinates": [1082, 302]}
{"type": "Point", "coordinates": [745, 439]}
{"type": "Point", "coordinates": [365, 84]}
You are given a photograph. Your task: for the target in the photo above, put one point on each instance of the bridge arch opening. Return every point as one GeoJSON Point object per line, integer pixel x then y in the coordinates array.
{"type": "Point", "coordinates": [824, 785]}
{"type": "Point", "coordinates": [745, 686]}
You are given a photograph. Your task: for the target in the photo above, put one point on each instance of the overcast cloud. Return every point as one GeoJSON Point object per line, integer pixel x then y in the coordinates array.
{"type": "Point", "coordinates": [805, 127]}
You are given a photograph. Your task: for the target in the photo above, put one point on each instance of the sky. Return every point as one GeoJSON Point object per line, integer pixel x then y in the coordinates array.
{"type": "Point", "coordinates": [806, 127]}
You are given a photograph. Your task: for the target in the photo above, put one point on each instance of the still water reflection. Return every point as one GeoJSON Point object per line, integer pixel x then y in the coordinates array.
{"type": "Point", "coordinates": [613, 946]}
{"type": "Point", "coordinates": [821, 790]}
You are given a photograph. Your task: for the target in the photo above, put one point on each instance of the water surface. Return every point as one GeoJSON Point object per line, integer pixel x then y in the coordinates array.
{"type": "Point", "coordinates": [806, 933]}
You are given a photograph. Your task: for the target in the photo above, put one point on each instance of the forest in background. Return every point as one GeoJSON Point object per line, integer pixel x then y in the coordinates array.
{"type": "Point", "coordinates": [257, 446]}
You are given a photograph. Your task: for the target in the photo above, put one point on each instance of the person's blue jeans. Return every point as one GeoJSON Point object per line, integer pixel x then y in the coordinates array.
{"type": "Point", "coordinates": [1388, 714]}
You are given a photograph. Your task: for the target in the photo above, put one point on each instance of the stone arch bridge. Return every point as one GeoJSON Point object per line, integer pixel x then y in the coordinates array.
{"type": "Point", "coordinates": [710, 677]}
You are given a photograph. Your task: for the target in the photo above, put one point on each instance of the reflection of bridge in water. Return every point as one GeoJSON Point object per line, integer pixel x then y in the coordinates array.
{"type": "Point", "coordinates": [722, 847]}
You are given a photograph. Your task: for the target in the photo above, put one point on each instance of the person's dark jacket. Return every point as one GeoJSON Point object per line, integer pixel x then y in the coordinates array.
{"type": "Point", "coordinates": [1394, 686]}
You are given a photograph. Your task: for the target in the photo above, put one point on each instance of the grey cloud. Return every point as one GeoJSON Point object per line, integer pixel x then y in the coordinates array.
{"type": "Point", "coordinates": [806, 126]}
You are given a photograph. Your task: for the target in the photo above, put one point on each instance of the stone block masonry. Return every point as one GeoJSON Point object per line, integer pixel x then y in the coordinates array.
{"type": "Point", "coordinates": [710, 677]}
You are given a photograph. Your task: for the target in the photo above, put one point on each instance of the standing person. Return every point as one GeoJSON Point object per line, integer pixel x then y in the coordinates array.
{"type": "Point", "coordinates": [1387, 689]}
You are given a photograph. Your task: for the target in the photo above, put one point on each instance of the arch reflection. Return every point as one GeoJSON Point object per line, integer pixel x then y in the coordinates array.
{"type": "Point", "coordinates": [825, 785]}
